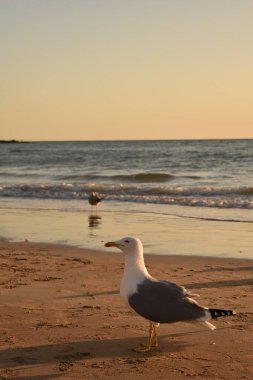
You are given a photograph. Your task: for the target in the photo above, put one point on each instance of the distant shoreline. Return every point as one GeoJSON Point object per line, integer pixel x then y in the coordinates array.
{"type": "Point", "coordinates": [12, 141]}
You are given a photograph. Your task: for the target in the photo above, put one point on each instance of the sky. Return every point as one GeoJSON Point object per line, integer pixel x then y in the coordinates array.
{"type": "Point", "coordinates": [126, 69]}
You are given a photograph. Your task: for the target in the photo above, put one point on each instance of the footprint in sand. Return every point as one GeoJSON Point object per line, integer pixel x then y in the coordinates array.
{"type": "Point", "coordinates": [64, 366]}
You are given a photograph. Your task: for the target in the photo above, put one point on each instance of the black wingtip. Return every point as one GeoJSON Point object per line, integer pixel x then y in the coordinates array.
{"type": "Point", "coordinates": [217, 313]}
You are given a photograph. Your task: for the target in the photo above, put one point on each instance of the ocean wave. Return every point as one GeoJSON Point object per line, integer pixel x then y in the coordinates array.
{"type": "Point", "coordinates": [150, 177]}
{"type": "Point", "coordinates": [146, 177]}
{"type": "Point", "coordinates": [200, 196]}
{"type": "Point", "coordinates": [246, 191]}
{"type": "Point", "coordinates": [19, 175]}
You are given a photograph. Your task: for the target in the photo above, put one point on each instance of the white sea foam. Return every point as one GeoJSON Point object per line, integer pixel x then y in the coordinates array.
{"type": "Point", "coordinates": [201, 196]}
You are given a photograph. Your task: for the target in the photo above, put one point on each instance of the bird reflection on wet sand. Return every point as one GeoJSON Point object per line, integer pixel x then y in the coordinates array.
{"type": "Point", "coordinates": [94, 221]}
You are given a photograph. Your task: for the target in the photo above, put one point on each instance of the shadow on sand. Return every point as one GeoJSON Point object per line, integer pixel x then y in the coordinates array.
{"type": "Point", "coordinates": [200, 285]}
{"type": "Point", "coordinates": [220, 284]}
{"type": "Point", "coordinates": [229, 269]}
{"type": "Point", "coordinates": [83, 350]}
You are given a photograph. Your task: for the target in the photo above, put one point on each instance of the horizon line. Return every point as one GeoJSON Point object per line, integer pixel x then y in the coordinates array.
{"type": "Point", "coordinates": [128, 140]}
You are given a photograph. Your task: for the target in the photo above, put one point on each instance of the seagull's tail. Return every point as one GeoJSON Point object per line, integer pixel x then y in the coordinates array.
{"type": "Point", "coordinates": [216, 313]}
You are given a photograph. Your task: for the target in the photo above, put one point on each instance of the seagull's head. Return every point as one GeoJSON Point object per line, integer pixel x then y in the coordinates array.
{"type": "Point", "coordinates": [127, 245]}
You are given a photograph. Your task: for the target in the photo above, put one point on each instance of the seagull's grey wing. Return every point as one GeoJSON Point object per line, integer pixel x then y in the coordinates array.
{"type": "Point", "coordinates": [182, 289]}
{"type": "Point", "coordinates": [164, 302]}
{"type": "Point", "coordinates": [176, 290]}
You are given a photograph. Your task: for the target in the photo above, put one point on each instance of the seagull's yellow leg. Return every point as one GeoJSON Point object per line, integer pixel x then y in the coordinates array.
{"type": "Point", "coordinates": [152, 341]}
{"type": "Point", "coordinates": [155, 340]}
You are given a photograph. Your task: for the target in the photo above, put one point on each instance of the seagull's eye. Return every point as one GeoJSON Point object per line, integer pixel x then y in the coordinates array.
{"type": "Point", "coordinates": [126, 241]}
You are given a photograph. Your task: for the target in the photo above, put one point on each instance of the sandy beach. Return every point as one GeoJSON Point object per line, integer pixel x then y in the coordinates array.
{"type": "Point", "coordinates": [62, 317]}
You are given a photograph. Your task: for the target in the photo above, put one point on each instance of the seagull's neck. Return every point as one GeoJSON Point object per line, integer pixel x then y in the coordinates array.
{"type": "Point", "coordinates": [135, 272]}
{"type": "Point", "coordinates": [134, 263]}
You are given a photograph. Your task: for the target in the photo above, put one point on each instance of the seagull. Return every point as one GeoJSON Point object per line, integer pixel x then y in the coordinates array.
{"type": "Point", "coordinates": [158, 301]}
{"type": "Point", "coordinates": [94, 199]}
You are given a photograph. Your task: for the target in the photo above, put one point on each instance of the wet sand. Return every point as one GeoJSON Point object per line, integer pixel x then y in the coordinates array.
{"type": "Point", "coordinates": [62, 317]}
{"type": "Point", "coordinates": [160, 233]}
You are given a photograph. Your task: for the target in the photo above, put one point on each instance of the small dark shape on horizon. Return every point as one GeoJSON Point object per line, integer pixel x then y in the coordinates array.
{"type": "Point", "coordinates": [12, 141]}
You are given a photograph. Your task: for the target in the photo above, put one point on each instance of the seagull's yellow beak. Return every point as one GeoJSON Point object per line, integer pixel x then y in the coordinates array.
{"type": "Point", "coordinates": [111, 244]}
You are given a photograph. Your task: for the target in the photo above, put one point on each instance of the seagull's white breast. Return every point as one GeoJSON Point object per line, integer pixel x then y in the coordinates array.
{"type": "Point", "coordinates": [135, 273]}
{"type": "Point", "coordinates": [129, 284]}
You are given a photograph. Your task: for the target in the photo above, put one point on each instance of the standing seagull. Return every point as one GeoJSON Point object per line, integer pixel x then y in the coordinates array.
{"type": "Point", "coordinates": [157, 301]}
{"type": "Point", "coordinates": [94, 199]}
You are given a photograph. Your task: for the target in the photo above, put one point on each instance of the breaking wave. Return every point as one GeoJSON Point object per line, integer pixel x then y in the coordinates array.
{"type": "Point", "coordinates": [199, 196]}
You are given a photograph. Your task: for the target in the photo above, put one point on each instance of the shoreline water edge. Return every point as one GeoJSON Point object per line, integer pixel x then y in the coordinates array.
{"type": "Point", "coordinates": [161, 234]}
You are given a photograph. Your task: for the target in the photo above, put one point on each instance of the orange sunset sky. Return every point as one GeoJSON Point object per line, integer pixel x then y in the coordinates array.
{"type": "Point", "coordinates": [133, 69]}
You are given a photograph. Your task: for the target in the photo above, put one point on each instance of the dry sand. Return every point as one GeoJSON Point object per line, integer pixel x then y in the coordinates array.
{"type": "Point", "coordinates": [62, 317]}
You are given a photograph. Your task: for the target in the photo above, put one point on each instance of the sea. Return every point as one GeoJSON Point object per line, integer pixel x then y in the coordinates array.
{"type": "Point", "coordinates": [148, 182]}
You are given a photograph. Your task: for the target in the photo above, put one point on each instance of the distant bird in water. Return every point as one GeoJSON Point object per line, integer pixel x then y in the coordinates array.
{"type": "Point", "coordinates": [94, 199]}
